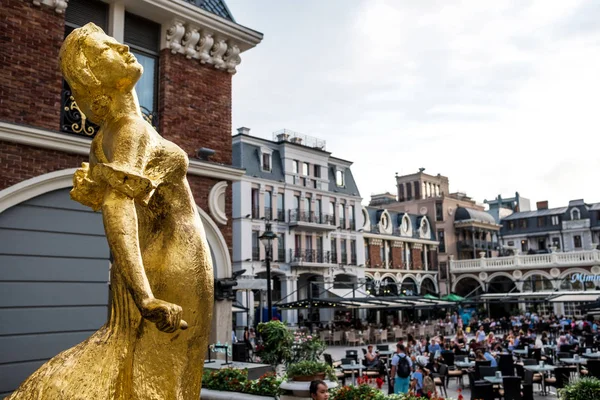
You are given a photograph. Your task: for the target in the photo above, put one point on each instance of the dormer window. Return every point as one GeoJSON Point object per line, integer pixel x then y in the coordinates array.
{"type": "Point", "coordinates": [265, 159]}
{"type": "Point", "coordinates": [266, 162]}
{"type": "Point", "coordinates": [339, 178]}
{"type": "Point", "coordinates": [575, 215]}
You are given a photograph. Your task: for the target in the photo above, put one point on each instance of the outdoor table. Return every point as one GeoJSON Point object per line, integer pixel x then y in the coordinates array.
{"type": "Point", "coordinates": [493, 379]}
{"type": "Point", "coordinates": [542, 370]}
{"type": "Point", "coordinates": [462, 364]}
{"type": "Point", "coordinates": [385, 353]}
{"type": "Point", "coordinates": [592, 355]}
{"type": "Point", "coordinates": [520, 353]}
{"type": "Point", "coordinates": [576, 361]}
{"type": "Point", "coordinates": [350, 367]}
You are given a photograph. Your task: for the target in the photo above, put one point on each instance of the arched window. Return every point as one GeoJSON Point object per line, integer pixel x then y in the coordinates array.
{"type": "Point", "coordinates": [575, 214]}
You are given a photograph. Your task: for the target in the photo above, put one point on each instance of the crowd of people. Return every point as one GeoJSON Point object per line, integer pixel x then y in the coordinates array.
{"type": "Point", "coordinates": [417, 360]}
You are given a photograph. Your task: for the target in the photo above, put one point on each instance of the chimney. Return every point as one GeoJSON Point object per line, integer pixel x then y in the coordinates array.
{"type": "Point", "coordinates": [243, 130]}
{"type": "Point", "coordinates": [542, 205]}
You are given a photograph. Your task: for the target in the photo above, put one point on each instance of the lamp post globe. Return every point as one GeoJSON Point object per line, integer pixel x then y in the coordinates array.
{"type": "Point", "coordinates": [267, 239]}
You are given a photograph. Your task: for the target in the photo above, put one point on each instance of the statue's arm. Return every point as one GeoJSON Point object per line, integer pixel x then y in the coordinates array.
{"type": "Point", "coordinates": [127, 150]}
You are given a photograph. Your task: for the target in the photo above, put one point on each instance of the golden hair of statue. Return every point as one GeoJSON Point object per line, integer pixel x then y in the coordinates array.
{"type": "Point", "coordinates": [154, 342]}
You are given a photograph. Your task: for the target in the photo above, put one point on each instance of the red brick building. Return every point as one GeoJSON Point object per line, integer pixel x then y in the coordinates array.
{"type": "Point", "coordinates": [54, 259]}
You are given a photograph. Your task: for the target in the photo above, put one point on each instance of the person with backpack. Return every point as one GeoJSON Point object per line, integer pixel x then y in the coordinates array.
{"type": "Point", "coordinates": [401, 370]}
{"type": "Point", "coordinates": [422, 384]}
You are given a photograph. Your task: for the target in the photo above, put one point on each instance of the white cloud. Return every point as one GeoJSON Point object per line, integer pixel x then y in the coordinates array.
{"type": "Point", "coordinates": [498, 96]}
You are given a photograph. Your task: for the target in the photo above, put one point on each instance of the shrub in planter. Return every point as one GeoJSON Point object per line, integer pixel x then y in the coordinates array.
{"type": "Point", "coordinates": [277, 341]}
{"type": "Point", "coordinates": [266, 385]}
{"type": "Point", "coordinates": [226, 379]}
{"type": "Point", "coordinates": [310, 370]}
{"type": "Point", "coordinates": [307, 347]}
{"type": "Point", "coordinates": [581, 389]}
{"type": "Point", "coordinates": [362, 392]}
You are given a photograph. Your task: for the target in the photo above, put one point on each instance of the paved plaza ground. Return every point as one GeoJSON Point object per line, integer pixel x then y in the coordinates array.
{"type": "Point", "coordinates": [339, 352]}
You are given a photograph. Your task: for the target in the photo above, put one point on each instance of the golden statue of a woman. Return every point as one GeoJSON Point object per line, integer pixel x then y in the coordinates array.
{"type": "Point", "coordinates": [162, 271]}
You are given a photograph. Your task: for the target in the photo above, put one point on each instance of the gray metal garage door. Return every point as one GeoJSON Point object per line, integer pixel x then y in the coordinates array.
{"type": "Point", "coordinates": [53, 282]}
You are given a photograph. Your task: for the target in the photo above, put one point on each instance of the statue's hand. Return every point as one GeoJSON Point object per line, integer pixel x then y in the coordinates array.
{"type": "Point", "coordinates": [166, 316]}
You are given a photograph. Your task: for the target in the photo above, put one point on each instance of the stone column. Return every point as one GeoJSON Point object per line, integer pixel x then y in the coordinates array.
{"type": "Point", "coordinates": [289, 293]}
{"type": "Point", "coordinates": [425, 255]}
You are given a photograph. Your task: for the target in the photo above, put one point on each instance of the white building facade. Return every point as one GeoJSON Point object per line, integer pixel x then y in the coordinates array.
{"type": "Point", "coordinates": [314, 206]}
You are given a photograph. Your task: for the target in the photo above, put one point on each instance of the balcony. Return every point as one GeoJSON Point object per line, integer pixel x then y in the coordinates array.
{"type": "Point", "coordinates": [303, 257]}
{"type": "Point", "coordinates": [281, 255]}
{"type": "Point", "coordinates": [268, 213]}
{"type": "Point", "coordinates": [281, 215]}
{"type": "Point", "coordinates": [311, 221]}
{"type": "Point", "coordinates": [343, 223]}
{"type": "Point", "coordinates": [73, 121]}
{"type": "Point", "coordinates": [255, 212]}
{"type": "Point", "coordinates": [477, 245]}
{"type": "Point", "coordinates": [553, 260]}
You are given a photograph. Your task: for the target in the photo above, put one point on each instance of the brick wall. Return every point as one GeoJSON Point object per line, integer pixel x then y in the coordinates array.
{"type": "Point", "coordinates": [30, 82]}
{"type": "Point", "coordinates": [375, 254]}
{"type": "Point", "coordinates": [397, 259]}
{"type": "Point", "coordinates": [415, 255]}
{"type": "Point", "coordinates": [20, 162]}
{"type": "Point", "coordinates": [195, 105]}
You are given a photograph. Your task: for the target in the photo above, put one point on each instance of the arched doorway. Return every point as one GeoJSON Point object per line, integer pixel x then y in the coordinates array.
{"type": "Point", "coordinates": [501, 284]}
{"type": "Point", "coordinates": [428, 287]}
{"type": "Point", "coordinates": [468, 287]}
{"type": "Point", "coordinates": [409, 287]}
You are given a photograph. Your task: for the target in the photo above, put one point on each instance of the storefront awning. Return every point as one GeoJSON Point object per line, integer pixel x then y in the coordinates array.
{"type": "Point", "coordinates": [575, 297]}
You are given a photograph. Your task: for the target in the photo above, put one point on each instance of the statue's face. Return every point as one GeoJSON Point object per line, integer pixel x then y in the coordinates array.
{"type": "Point", "coordinates": [111, 62]}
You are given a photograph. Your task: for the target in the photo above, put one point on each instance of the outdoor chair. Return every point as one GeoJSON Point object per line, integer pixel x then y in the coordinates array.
{"type": "Point", "coordinates": [352, 354]}
{"type": "Point", "coordinates": [512, 388]}
{"type": "Point", "coordinates": [398, 334]}
{"type": "Point", "coordinates": [536, 354]}
{"type": "Point", "coordinates": [383, 347]}
{"type": "Point", "coordinates": [337, 337]}
{"type": "Point", "coordinates": [506, 365]}
{"type": "Point", "coordinates": [482, 391]}
{"type": "Point", "coordinates": [351, 338]}
{"type": "Point", "coordinates": [325, 336]}
{"type": "Point", "coordinates": [487, 371]}
{"type": "Point", "coordinates": [593, 367]}
{"type": "Point", "coordinates": [440, 378]}
{"type": "Point", "coordinates": [527, 392]}
{"type": "Point", "coordinates": [561, 377]}
{"type": "Point", "coordinates": [479, 364]}
{"type": "Point", "coordinates": [563, 354]}
{"type": "Point", "coordinates": [529, 361]}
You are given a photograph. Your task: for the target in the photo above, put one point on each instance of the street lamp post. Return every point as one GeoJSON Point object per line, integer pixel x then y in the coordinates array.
{"type": "Point", "coordinates": [267, 238]}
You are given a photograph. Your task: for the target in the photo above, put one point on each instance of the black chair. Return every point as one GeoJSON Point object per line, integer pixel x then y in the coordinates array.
{"type": "Point", "coordinates": [383, 347]}
{"type": "Point", "coordinates": [593, 367]}
{"type": "Point", "coordinates": [487, 371]}
{"type": "Point", "coordinates": [530, 361]}
{"type": "Point", "coordinates": [506, 365]}
{"type": "Point", "coordinates": [563, 354]}
{"type": "Point", "coordinates": [527, 391]}
{"type": "Point", "coordinates": [479, 364]}
{"type": "Point", "coordinates": [353, 354]}
{"type": "Point", "coordinates": [560, 378]}
{"type": "Point", "coordinates": [512, 388]}
{"type": "Point", "coordinates": [441, 378]}
{"type": "Point", "coordinates": [483, 391]}
{"type": "Point", "coordinates": [448, 357]}
{"type": "Point", "coordinates": [520, 371]}
{"type": "Point", "coordinates": [536, 354]}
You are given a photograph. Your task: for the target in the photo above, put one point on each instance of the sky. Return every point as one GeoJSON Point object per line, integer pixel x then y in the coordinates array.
{"type": "Point", "coordinates": [499, 96]}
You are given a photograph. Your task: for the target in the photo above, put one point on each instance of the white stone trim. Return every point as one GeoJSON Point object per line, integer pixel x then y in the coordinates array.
{"type": "Point", "coordinates": [46, 139]}
{"type": "Point", "coordinates": [59, 5]}
{"type": "Point", "coordinates": [216, 202]}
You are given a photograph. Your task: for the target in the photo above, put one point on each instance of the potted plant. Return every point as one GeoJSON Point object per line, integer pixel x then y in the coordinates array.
{"type": "Point", "coordinates": [306, 371]}
{"type": "Point", "coordinates": [361, 392]}
{"type": "Point", "coordinates": [581, 389]}
{"type": "Point", "coordinates": [277, 342]}
{"type": "Point", "coordinates": [219, 384]}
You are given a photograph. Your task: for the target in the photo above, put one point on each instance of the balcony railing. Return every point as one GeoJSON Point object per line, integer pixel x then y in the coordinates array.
{"type": "Point", "coordinates": [281, 255]}
{"type": "Point", "coordinates": [309, 216]}
{"type": "Point", "coordinates": [255, 253]}
{"type": "Point", "coordinates": [570, 259]}
{"type": "Point", "coordinates": [268, 213]}
{"type": "Point", "coordinates": [352, 225]}
{"type": "Point", "coordinates": [342, 223]}
{"type": "Point", "coordinates": [255, 212]}
{"type": "Point", "coordinates": [281, 215]}
{"type": "Point", "coordinates": [352, 259]}
{"type": "Point", "coordinates": [334, 258]}
{"type": "Point", "coordinates": [72, 120]}
{"type": "Point", "coordinates": [310, 256]}
{"type": "Point", "coordinates": [478, 245]}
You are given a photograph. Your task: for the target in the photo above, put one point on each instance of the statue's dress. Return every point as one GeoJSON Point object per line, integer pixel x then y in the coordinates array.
{"type": "Point", "coordinates": [129, 358]}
